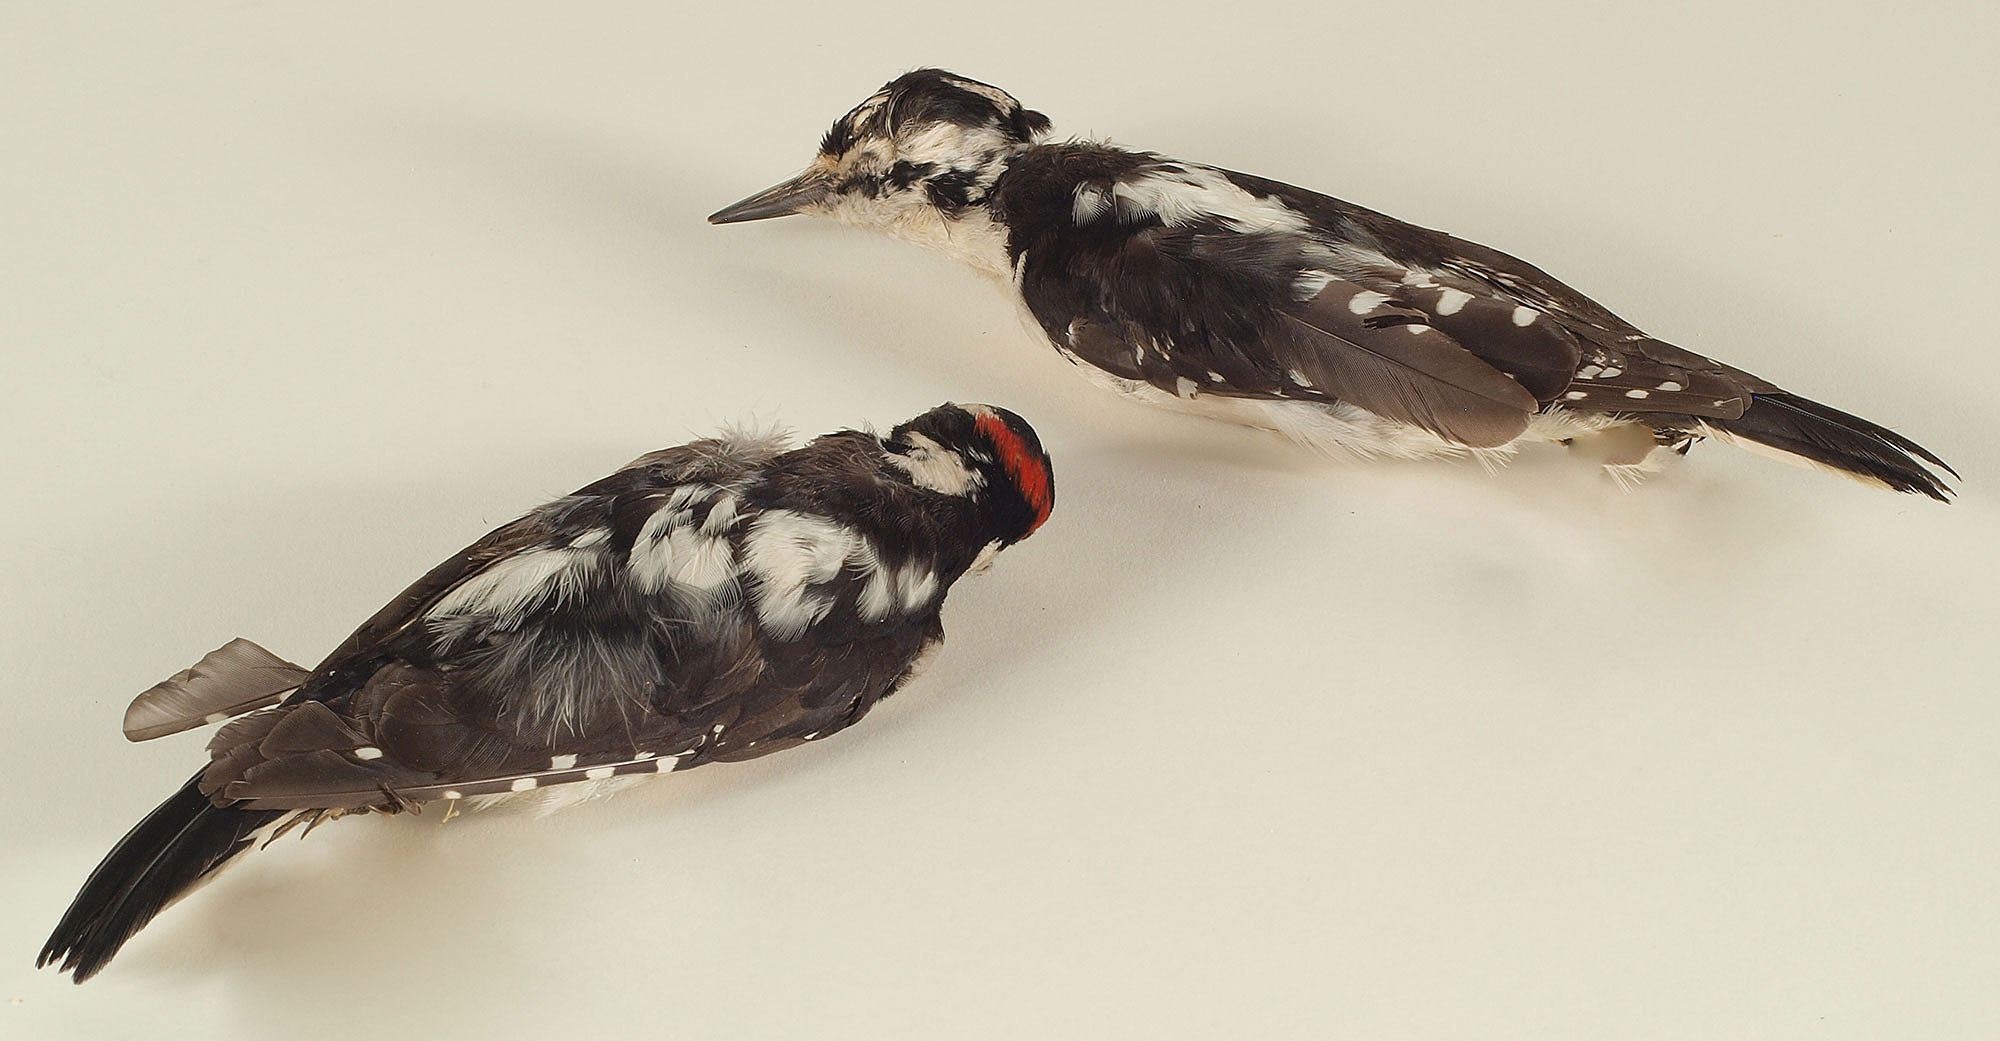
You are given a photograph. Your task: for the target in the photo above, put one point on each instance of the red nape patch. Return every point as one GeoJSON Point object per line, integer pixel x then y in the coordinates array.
{"type": "Point", "coordinates": [1030, 474]}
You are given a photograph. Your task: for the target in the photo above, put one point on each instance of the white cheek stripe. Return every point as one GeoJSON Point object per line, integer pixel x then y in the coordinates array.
{"type": "Point", "coordinates": [931, 465]}
{"type": "Point", "coordinates": [948, 144]}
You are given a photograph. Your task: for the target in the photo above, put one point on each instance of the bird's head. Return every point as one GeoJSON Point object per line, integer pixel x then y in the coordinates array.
{"type": "Point", "coordinates": [987, 455]}
{"type": "Point", "coordinates": [927, 145]}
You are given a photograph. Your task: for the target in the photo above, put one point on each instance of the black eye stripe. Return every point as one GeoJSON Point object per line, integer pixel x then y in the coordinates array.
{"type": "Point", "coordinates": [953, 190]}
{"type": "Point", "coordinates": [906, 173]}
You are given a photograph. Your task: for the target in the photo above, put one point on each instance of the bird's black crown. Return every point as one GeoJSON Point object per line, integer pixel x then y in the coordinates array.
{"type": "Point", "coordinates": [1016, 486]}
{"type": "Point", "coordinates": [927, 97]}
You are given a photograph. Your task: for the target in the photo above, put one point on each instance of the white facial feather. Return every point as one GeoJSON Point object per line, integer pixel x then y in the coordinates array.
{"type": "Point", "coordinates": [933, 466]}
{"type": "Point", "coordinates": [952, 144]}
{"type": "Point", "coordinates": [973, 238]}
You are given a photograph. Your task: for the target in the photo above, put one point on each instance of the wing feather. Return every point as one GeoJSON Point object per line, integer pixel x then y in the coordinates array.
{"type": "Point", "coordinates": [1365, 348]}
{"type": "Point", "coordinates": [228, 681]}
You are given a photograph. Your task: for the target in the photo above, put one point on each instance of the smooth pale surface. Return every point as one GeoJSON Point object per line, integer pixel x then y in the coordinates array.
{"type": "Point", "coordinates": [301, 298]}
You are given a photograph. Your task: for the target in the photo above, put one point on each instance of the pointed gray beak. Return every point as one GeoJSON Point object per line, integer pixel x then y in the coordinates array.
{"type": "Point", "coordinates": [779, 200]}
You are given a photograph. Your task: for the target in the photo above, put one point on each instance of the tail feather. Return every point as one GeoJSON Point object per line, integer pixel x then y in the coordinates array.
{"type": "Point", "coordinates": [1819, 435]}
{"type": "Point", "coordinates": [181, 842]}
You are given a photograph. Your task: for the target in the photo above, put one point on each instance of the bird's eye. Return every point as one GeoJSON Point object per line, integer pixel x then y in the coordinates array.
{"type": "Point", "coordinates": [905, 173]}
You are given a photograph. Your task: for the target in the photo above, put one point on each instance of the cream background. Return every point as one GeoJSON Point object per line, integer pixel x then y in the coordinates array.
{"type": "Point", "coordinates": [299, 298]}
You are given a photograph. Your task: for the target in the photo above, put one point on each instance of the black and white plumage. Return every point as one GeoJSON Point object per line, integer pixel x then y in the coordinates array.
{"type": "Point", "coordinates": [1262, 303]}
{"type": "Point", "coordinates": [718, 601]}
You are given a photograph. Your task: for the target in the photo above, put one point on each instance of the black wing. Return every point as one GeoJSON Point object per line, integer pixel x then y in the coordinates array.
{"type": "Point", "coordinates": [1204, 309]}
{"type": "Point", "coordinates": [1616, 368]}
{"type": "Point", "coordinates": [542, 654]}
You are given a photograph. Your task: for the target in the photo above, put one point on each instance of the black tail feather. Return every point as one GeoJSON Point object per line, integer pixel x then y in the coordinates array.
{"type": "Point", "coordinates": [1827, 436]}
{"type": "Point", "coordinates": [182, 841]}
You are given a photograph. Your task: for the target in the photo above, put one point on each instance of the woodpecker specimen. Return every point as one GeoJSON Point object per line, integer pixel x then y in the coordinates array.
{"type": "Point", "coordinates": [713, 602]}
{"type": "Point", "coordinates": [1261, 303]}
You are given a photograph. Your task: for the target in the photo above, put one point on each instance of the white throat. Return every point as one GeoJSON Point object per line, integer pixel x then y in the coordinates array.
{"type": "Point", "coordinates": [973, 238]}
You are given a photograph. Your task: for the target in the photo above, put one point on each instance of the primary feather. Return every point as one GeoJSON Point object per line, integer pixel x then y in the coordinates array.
{"type": "Point", "coordinates": [232, 679]}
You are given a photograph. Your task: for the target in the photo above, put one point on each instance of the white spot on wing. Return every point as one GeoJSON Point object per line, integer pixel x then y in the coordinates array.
{"type": "Point", "coordinates": [1525, 316]}
{"type": "Point", "coordinates": [918, 585]}
{"type": "Point", "coordinates": [789, 553]}
{"type": "Point", "coordinates": [1452, 301]}
{"type": "Point", "coordinates": [1183, 193]}
{"type": "Point", "coordinates": [720, 516]}
{"type": "Point", "coordinates": [512, 586]}
{"type": "Point", "coordinates": [670, 549]}
{"type": "Point", "coordinates": [878, 593]}
{"type": "Point", "coordinates": [523, 784]}
{"type": "Point", "coordinates": [1367, 300]}
{"type": "Point", "coordinates": [561, 762]}
{"type": "Point", "coordinates": [1091, 203]}
{"type": "Point", "coordinates": [1310, 283]}
{"type": "Point", "coordinates": [1636, 393]}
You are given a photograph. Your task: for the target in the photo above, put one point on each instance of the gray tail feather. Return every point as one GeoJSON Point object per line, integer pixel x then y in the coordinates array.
{"type": "Point", "coordinates": [1827, 436]}
{"type": "Point", "coordinates": [183, 841]}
